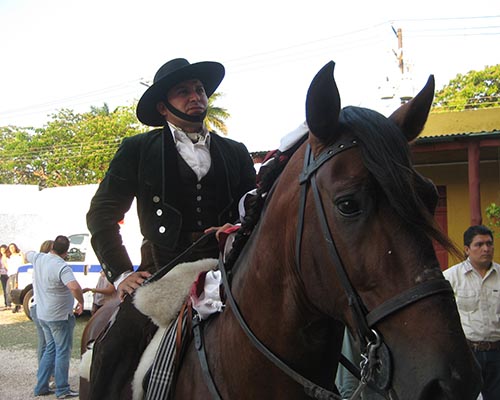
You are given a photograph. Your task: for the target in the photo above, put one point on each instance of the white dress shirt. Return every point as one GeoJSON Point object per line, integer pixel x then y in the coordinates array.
{"type": "Point", "coordinates": [194, 149]}
{"type": "Point", "coordinates": [478, 300]}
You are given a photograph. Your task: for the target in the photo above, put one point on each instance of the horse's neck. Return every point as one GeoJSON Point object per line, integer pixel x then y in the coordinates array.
{"type": "Point", "coordinates": [270, 294]}
{"type": "Point", "coordinates": [271, 299]}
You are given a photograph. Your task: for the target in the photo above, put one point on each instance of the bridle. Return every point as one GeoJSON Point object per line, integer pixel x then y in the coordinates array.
{"type": "Point", "coordinates": [376, 367]}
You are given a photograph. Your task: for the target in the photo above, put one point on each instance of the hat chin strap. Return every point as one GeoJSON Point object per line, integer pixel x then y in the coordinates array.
{"type": "Point", "coordinates": [185, 117]}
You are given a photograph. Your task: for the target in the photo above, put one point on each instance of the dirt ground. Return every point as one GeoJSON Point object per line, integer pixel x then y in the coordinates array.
{"type": "Point", "coordinates": [18, 367]}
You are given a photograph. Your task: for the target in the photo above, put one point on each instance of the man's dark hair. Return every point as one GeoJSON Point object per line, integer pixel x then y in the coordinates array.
{"type": "Point", "coordinates": [61, 245]}
{"type": "Point", "coordinates": [475, 230]}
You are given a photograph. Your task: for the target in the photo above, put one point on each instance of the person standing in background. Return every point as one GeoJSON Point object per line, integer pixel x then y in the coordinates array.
{"type": "Point", "coordinates": [346, 382]}
{"type": "Point", "coordinates": [476, 284]}
{"type": "Point", "coordinates": [4, 273]}
{"type": "Point", "coordinates": [15, 260]}
{"type": "Point", "coordinates": [44, 248]}
{"type": "Point", "coordinates": [55, 289]}
{"type": "Point", "coordinates": [103, 292]}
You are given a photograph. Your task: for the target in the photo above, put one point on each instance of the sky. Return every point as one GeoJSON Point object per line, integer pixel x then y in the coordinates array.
{"type": "Point", "coordinates": [69, 54]}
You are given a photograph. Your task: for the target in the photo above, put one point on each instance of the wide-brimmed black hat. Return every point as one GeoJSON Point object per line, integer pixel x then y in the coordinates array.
{"type": "Point", "coordinates": [173, 72]}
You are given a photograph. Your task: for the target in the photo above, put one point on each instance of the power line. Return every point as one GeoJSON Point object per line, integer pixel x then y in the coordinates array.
{"type": "Point", "coordinates": [364, 37]}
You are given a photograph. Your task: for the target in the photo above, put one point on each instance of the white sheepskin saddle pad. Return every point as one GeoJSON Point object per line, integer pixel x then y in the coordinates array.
{"type": "Point", "coordinates": [162, 300]}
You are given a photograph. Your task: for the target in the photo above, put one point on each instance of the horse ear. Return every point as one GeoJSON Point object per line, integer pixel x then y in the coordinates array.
{"type": "Point", "coordinates": [323, 103]}
{"type": "Point", "coordinates": [411, 116]}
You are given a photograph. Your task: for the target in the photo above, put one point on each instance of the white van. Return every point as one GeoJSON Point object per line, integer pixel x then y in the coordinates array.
{"type": "Point", "coordinates": [83, 262]}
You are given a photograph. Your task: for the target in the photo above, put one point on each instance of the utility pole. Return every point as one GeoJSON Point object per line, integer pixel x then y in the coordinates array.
{"type": "Point", "coordinates": [399, 54]}
{"type": "Point", "coordinates": [403, 89]}
{"type": "Point", "coordinates": [400, 50]}
{"type": "Point", "coordinates": [405, 86]}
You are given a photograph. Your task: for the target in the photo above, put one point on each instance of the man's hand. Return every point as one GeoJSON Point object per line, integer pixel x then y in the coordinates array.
{"type": "Point", "coordinates": [79, 309]}
{"type": "Point", "coordinates": [132, 282]}
{"type": "Point", "coordinates": [219, 229]}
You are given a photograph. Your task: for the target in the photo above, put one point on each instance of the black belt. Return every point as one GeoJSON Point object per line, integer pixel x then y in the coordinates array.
{"type": "Point", "coordinates": [484, 346]}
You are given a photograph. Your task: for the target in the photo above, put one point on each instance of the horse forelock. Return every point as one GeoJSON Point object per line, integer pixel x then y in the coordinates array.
{"type": "Point", "coordinates": [386, 155]}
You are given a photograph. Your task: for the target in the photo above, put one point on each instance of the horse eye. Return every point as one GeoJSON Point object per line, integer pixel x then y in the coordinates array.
{"type": "Point", "coordinates": [348, 207]}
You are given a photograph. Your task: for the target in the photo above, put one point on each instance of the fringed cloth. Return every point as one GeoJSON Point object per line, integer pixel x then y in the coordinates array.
{"type": "Point", "coordinates": [164, 365]}
{"type": "Point", "coordinates": [205, 300]}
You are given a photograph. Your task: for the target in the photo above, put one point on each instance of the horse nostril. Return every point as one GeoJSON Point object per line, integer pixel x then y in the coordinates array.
{"type": "Point", "coordinates": [447, 390]}
{"type": "Point", "coordinates": [435, 391]}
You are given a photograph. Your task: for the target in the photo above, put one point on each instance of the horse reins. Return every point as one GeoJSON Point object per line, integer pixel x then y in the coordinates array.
{"type": "Point", "coordinates": [178, 259]}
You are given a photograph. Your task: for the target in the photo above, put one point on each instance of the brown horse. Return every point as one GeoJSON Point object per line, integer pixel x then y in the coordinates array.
{"type": "Point", "coordinates": [345, 237]}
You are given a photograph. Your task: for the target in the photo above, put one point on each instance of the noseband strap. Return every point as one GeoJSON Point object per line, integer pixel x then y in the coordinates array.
{"type": "Point", "coordinates": [412, 295]}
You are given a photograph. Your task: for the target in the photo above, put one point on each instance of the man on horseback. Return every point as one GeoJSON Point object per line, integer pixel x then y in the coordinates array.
{"type": "Point", "coordinates": [185, 179]}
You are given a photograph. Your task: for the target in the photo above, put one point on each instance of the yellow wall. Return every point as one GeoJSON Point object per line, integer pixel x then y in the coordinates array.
{"type": "Point", "coordinates": [482, 120]}
{"type": "Point", "coordinates": [455, 178]}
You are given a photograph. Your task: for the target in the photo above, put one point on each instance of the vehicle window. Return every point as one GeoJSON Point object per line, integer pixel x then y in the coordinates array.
{"type": "Point", "coordinates": [77, 239]}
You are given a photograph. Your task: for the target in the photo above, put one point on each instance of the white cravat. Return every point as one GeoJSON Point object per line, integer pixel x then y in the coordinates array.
{"type": "Point", "coordinates": [196, 155]}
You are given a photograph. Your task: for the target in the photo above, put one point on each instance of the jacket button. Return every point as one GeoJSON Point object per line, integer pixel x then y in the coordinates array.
{"type": "Point", "coordinates": [161, 229]}
{"type": "Point", "coordinates": [156, 199]}
{"type": "Point", "coordinates": [159, 212]}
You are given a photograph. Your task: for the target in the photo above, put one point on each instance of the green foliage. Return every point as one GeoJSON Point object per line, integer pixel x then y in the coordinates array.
{"type": "Point", "coordinates": [493, 214]}
{"type": "Point", "coordinates": [216, 116]}
{"type": "Point", "coordinates": [75, 149]}
{"type": "Point", "coordinates": [72, 149]}
{"type": "Point", "coordinates": [476, 89]}
{"type": "Point", "coordinates": [23, 334]}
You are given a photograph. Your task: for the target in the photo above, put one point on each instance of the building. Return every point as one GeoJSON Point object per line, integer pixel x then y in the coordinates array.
{"type": "Point", "coordinates": [460, 152]}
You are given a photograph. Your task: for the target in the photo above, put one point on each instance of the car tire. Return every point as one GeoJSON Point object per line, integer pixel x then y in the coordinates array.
{"type": "Point", "coordinates": [27, 300]}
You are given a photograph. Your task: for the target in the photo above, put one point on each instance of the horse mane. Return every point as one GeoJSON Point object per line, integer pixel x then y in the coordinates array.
{"type": "Point", "coordinates": [386, 155]}
{"type": "Point", "coordinates": [269, 172]}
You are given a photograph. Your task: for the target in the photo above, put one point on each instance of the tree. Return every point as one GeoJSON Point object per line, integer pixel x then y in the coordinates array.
{"type": "Point", "coordinates": [15, 146]}
{"type": "Point", "coordinates": [476, 89]}
{"type": "Point", "coordinates": [72, 149]}
{"type": "Point", "coordinates": [75, 149]}
{"type": "Point", "coordinates": [216, 116]}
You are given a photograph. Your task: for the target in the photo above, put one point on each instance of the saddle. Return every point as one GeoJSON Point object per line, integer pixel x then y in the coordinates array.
{"type": "Point", "coordinates": [164, 302]}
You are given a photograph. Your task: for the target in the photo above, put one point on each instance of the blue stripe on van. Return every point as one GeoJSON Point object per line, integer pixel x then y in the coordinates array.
{"type": "Point", "coordinates": [74, 267]}
{"type": "Point", "coordinates": [25, 268]}
{"type": "Point", "coordinates": [81, 267]}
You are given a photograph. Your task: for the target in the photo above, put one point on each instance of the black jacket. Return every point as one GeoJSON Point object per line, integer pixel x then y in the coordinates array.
{"type": "Point", "coordinates": [146, 167]}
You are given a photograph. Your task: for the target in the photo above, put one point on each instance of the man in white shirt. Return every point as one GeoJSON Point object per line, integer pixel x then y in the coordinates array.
{"type": "Point", "coordinates": [476, 283]}
{"type": "Point", "coordinates": [55, 290]}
